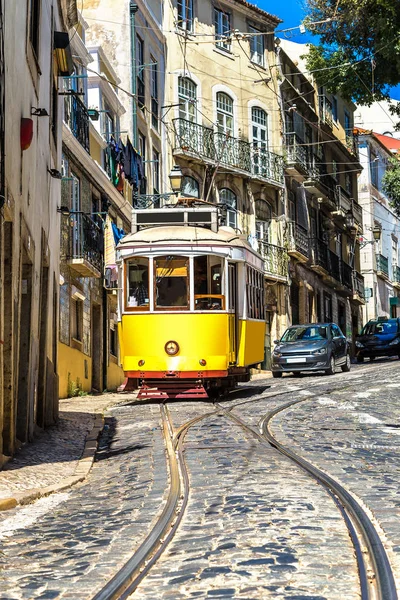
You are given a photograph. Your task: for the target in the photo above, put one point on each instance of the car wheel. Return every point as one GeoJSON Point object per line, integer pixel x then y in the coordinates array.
{"type": "Point", "coordinates": [346, 366]}
{"type": "Point", "coordinates": [276, 374]}
{"type": "Point", "coordinates": [332, 366]}
{"type": "Point", "coordinates": [360, 359]}
{"type": "Point", "coordinates": [371, 358]}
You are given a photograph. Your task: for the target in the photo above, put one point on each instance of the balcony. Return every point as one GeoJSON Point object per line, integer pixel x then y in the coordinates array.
{"type": "Point", "coordinates": [319, 256]}
{"type": "Point", "coordinates": [358, 288]}
{"type": "Point", "coordinates": [320, 183]}
{"type": "Point", "coordinates": [206, 145]}
{"type": "Point", "coordinates": [357, 213]}
{"type": "Point", "coordinates": [351, 143]}
{"type": "Point", "coordinates": [85, 246]}
{"type": "Point", "coordinates": [346, 275]}
{"type": "Point", "coordinates": [77, 118]}
{"type": "Point", "coordinates": [275, 260]}
{"type": "Point", "coordinates": [382, 266]}
{"type": "Point", "coordinates": [325, 111]}
{"type": "Point", "coordinates": [396, 277]}
{"type": "Point", "coordinates": [343, 202]}
{"type": "Point", "coordinates": [297, 156]}
{"type": "Point", "coordinates": [298, 243]}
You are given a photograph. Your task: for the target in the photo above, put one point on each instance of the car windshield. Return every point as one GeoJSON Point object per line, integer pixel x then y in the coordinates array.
{"type": "Point", "coordinates": [312, 332]}
{"type": "Point", "coordinates": [380, 327]}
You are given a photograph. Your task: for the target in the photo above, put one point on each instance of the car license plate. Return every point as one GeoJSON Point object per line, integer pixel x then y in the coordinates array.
{"type": "Point", "coordinates": [296, 360]}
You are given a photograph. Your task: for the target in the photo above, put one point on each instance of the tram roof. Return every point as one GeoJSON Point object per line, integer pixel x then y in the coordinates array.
{"type": "Point", "coordinates": [186, 235]}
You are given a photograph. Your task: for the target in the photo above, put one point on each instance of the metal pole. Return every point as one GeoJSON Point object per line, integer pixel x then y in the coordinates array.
{"type": "Point", "coordinates": [133, 8]}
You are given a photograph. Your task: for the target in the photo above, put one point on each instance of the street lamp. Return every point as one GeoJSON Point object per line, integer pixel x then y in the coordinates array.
{"type": "Point", "coordinates": [175, 178]}
{"type": "Point", "coordinates": [376, 232]}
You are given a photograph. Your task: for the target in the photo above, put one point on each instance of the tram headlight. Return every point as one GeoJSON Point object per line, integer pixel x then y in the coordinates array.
{"type": "Point", "coordinates": [171, 348]}
{"type": "Point", "coordinates": [141, 363]}
{"type": "Point", "coordinates": [202, 362]}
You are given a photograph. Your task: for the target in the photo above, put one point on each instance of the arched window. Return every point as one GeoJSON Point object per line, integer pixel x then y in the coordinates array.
{"type": "Point", "coordinates": [190, 187]}
{"type": "Point", "coordinates": [229, 198]}
{"type": "Point", "coordinates": [224, 113]}
{"type": "Point", "coordinates": [259, 123]}
{"type": "Point", "coordinates": [187, 94]}
{"type": "Point", "coordinates": [263, 220]}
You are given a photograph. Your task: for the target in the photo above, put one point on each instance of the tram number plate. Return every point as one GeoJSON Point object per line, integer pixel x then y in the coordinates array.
{"type": "Point", "coordinates": [296, 360]}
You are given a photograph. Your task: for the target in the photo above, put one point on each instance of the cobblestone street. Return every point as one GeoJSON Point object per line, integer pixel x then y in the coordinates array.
{"type": "Point", "coordinates": [256, 525]}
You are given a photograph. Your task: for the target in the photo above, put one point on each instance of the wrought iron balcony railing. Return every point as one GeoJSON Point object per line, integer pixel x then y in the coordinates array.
{"type": "Point", "coordinates": [296, 152]}
{"type": "Point", "coordinates": [86, 244]}
{"type": "Point", "coordinates": [347, 275]}
{"type": "Point", "coordinates": [351, 143]}
{"type": "Point", "coordinates": [320, 254]}
{"type": "Point", "coordinates": [382, 265]}
{"type": "Point", "coordinates": [334, 265]}
{"type": "Point", "coordinates": [275, 259]}
{"type": "Point", "coordinates": [396, 274]}
{"type": "Point", "coordinates": [343, 200]}
{"type": "Point", "coordinates": [77, 118]}
{"type": "Point", "coordinates": [325, 110]}
{"type": "Point", "coordinates": [226, 150]}
{"type": "Point", "coordinates": [358, 285]}
{"type": "Point", "coordinates": [298, 240]}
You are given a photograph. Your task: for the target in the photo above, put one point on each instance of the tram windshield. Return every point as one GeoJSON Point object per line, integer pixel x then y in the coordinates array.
{"type": "Point", "coordinates": [138, 283]}
{"type": "Point", "coordinates": [207, 279]}
{"type": "Point", "coordinates": [171, 273]}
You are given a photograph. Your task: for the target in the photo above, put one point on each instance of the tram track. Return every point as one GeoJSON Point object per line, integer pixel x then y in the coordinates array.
{"type": "Point", "coordinates": [375, 574]}
{"type": "Point", "coordinates": [126, 580]}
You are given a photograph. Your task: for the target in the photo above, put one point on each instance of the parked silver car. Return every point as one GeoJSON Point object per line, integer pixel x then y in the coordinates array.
{"type": "Point", "coordinates": [311, 347]}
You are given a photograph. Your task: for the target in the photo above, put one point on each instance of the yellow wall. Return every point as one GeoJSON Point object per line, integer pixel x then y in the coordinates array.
{"type": "Point", "coordinates": [71, 363]}
{"type": "Point", "coordinates": [115, 376]}
{"type": "Point", "coordinates": [95, 150]}
{"type": "Point", "coordinates": [251, 342]}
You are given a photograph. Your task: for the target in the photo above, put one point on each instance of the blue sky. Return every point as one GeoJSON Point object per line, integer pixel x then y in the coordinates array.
{"type": "Point", "coordinates": [292, 13]}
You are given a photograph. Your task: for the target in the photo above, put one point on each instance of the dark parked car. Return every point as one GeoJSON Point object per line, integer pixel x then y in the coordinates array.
{"type": "Point", "coordinates": [312, 347]}
{"type": "Point", "coordinates": [380, 337]}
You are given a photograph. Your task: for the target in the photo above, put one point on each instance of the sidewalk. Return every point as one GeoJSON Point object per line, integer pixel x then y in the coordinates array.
{"type": "Point", "coordinates": [61, 456]}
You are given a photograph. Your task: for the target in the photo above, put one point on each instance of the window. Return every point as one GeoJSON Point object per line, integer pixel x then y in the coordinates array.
{"type": "Point", "coordinates": [260, 141]}
{"type": "Point", "coordinates": [171, 282]}
{"type": "Point", "coordinates": [336, 331]}
{"type": "Point", "coordinates": [347, 123]}
{"type": "Point", "coordinates": [190, 187]}
{"type": "Point", "coordinates": [141, 99]}
{"type": "Point", "coordinates": [108, 124]}
{"type": "Point", "coordinates": [154, 93]}
{"type": "Point", "coordinates": [187, 94]}
{"type": "Point", "coordinates": [254, 294]}
{"type": "Point", "coordinates": [185, 14]}
{"type": "Point", "coordinates": [207, 281]}
{"type": "Point", "coordinates": [222, 22]}
{"type": "Point", "coordinates": [348, 182]}
{"type": "Point", "coordinates": [113, 341]}
{"type": "Point", "coordinates": [263, 220]}
{"type": "Point", "coordinates": [142, 150]}
{"type": "Point", "coordinates": [374, 169]}
{"type": "Point", "coordinates": [76, 319]}
{"type": "Point", "coordinates": [137, 274]}
{"type": "Point", "coordinates": [224, 113]}
{"type": "Point", "coordinates": [34, 26]}
{"type": "Point", "coordinates": [229, 199]}
{"type": "Point", "coordinates": [334, 108]}
{"type": "Point", "coordinates": [395, 252]}
{"type": "Point", "coordinates": [257, 47]}
{"type": "Point", "coordinates": [156, 172]}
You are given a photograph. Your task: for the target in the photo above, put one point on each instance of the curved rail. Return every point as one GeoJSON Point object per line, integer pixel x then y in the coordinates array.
{"type": "Point", "coordinates": [126, 580]}
{"type": "Point", "coordinates": [383, 584]}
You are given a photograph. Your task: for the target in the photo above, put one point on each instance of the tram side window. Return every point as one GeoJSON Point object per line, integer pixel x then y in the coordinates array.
{"type": "Point", "coordinates": [138, 283]}
{"type": "Point", "coordinates": [171, 282]}
{"type": "Point", "coordinates": [254, 294]}
{"type": "Point", "coordinates": [208, 271]}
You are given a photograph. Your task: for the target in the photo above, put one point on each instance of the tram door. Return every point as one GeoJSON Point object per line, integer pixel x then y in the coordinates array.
{"type": "Point", "coordinates": [232, 275]}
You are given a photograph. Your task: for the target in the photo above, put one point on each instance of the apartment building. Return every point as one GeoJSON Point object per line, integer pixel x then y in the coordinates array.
{"type": "Point", "coordinates": [379, 244]}
{"type": "Point", "coordinates": [95, 205]}
{"type": "Point", "coordinates": [34, 44]}
{"type": "Point", "coordinates": [324, 216]}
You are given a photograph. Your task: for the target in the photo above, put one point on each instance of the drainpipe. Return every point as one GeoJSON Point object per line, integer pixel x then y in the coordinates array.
{"type": "Point", "coordinates": [133, 8]}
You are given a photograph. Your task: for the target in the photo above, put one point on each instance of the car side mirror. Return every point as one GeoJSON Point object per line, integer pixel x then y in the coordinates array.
{"type": "Point", "coordinates": [276, 341]}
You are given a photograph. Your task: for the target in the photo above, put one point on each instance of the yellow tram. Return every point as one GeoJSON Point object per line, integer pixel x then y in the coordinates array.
{"type": "Point", "coordinates": [191, 305]}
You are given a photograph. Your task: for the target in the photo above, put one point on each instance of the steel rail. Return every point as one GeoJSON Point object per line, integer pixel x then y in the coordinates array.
{"type": "Point", "coordinates": [126, 580]}
{"type": "Point", "coordinates": [380, 587]}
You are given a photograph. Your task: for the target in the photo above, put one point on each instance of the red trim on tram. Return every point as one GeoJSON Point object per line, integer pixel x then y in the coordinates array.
{"type": "Point", "coordinates": [175, 374]}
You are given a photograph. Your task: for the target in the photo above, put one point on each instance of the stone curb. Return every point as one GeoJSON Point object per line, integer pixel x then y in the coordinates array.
{"type": "Point", "coordinates": [82, 470]}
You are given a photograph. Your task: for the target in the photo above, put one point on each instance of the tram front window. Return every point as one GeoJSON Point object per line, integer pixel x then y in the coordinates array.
{"type": "Point", "coordinates": [138, 283]}
{"type": "Point", "coordinates": [172, 281]}
{"type": "Point", "coordinates": [208, 283]}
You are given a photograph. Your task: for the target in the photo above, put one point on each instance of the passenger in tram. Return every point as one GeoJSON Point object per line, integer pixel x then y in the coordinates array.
{"type": "Point", "coordinates": [141, 292]}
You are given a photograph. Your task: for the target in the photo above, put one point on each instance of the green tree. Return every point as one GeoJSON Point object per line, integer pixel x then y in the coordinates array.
{"type": "Point", "coordinates": [359, 46]}
{"type": "Point", "coordinates": [391, 183]}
